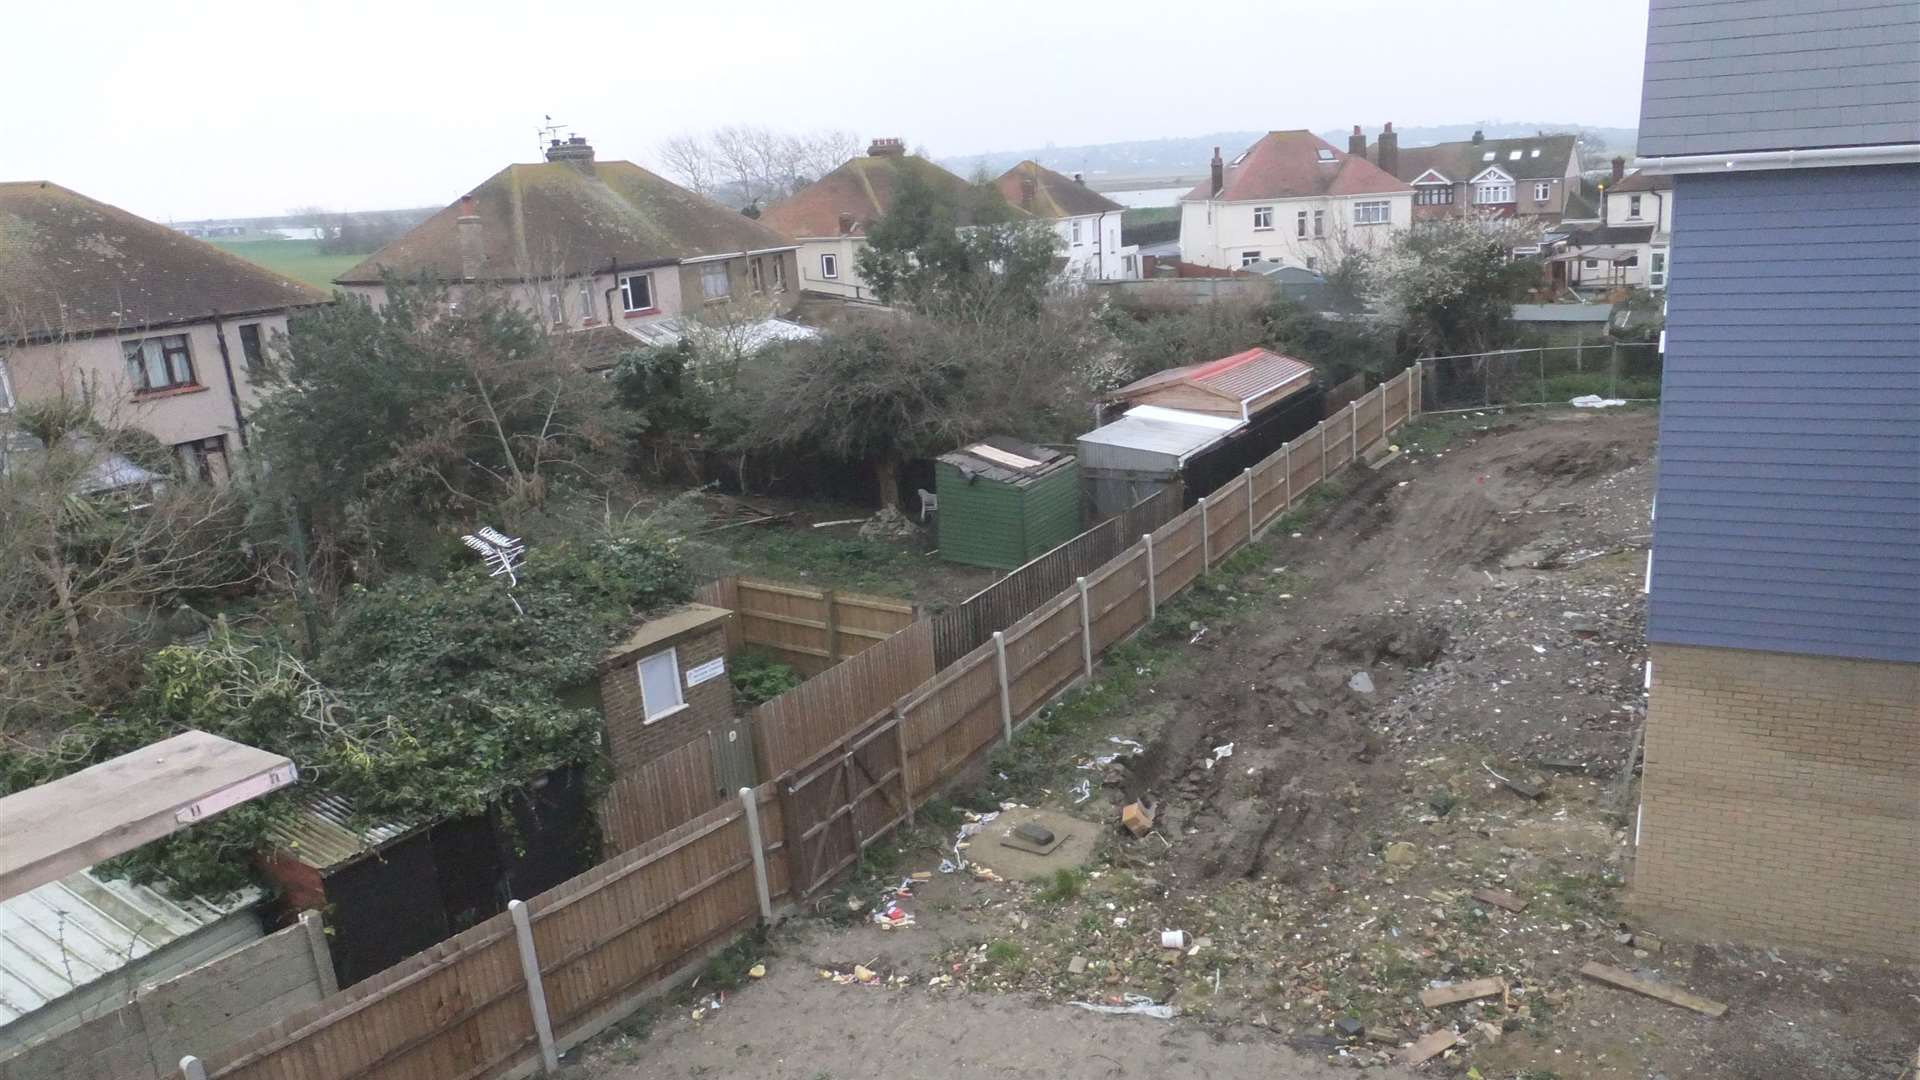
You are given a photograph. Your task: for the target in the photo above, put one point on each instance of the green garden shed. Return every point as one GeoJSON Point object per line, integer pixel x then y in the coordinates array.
{"type": "Point", "coordinates": [1003, 502]}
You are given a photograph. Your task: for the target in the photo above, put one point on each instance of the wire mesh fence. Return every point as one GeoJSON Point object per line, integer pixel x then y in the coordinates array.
{"type": "Point", "coordinates": [1549, 375]}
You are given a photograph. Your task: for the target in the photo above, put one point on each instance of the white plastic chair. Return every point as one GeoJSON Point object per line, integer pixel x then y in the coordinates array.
{"type": "Point", "coordinates": [929, 502]}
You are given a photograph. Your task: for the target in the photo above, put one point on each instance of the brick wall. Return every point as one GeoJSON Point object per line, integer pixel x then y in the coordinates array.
{"type": "Point", "coordinates": [1781, 799]}
{"type": "Point", "coordinates": [631, 741]}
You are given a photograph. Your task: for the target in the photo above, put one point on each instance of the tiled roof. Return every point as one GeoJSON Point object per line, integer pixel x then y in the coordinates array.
{"type": "Point", "coordinates": [1541, 157]}
{"type": "Point", "coordinates": [1292, 165]}
{"type": "Point", "coordinates": [1054, 196]}
{"type": "Point", "coordinates": [566, 218]}
{"type": "Point", "coordinates": [74, 265]}
{"type": "Point", "coordinates": [1241, 377]}
{"type": "Point", "coordinates": [1643, 181]}
{"type": "Point", "coordinates": [862, 188]}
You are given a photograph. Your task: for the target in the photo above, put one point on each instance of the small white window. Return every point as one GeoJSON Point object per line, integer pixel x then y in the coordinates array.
{"type": "Point", "coordinates": [1319, 223]}
{"type": "Point", "coordinates": [556, 306]}
{"type": "Point", "coordinates": [1513, 156]}
{"type": "Point", "coordinates": [1542, 190]}
{"type": "Point", "coordinates": [586, 300]}
{"type": "Point", "coordinates": [1372, 213]}
{"type": "Point", "coordinates": [713, 281]}
{"type": "Point", "coordinates": [1263, 217]}
{"type": "Point", "coordinates": [1313, 262]}
{"type": "Point", "coordinates": [660, 684]}
{"type": "Point", "coordinates": [829, 266]}
{"type": "Point", "coordinates": [1593, 264]}
{"type": "Point", "coordinates": [636, 292]}
{"type": "Point", "coordinates": [1248, 258]}
{"type": "Point", "coordinates": [1656, 277]}
{"type": "Point", "coordinates": [1633, 206]}
{"type": "Point", "coordinates": [6, 388]}
{"type": "Point", "coordinates": [779, 273]}
{"type": "Point", "coordinates": [1534, 153]}
{"type": "Point", "coordinates": [1300, 223]}
{"type": "Point", "coordinates": [1325, 155]}
{"type": "Point", "coordinates": [1076, 232]}
{"type": "Point", "coordinates": [1488, 156]}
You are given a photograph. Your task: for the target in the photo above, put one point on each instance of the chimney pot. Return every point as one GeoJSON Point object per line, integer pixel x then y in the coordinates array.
{"type": "Point", "coordinates": [1080, 178]}
{"type": "Point", "coordinates": [1479, 136]}
{"type": "Point", "coordinates": [1218, 172]}
{"type": "Point", "coordinates": [846, 223]}
{"type": "Point", "coordinates": [887, 148]}
{"type": "Point", "coordinates": [1619, 168]}
{"type": "Point", "coordinates": [1357, 143]}
{"type": "Point", "coordinates": [1388, 150]}
{"type": "Point", "coordinates": [575, 151]}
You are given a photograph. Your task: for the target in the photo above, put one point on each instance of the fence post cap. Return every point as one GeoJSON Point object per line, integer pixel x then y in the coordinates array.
{"type": "Point", "coordinates": [999, 635]}
{"type": "Point", "coordinates": [515, 905]}
{"type": "Point", "coordinates": [747, 792]}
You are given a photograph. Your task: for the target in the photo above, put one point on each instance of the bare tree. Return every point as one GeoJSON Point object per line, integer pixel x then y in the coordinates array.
{"type": "Point", "coordinates": [687, 159]}
{"type": "Point", "coordinates": [749, 165]}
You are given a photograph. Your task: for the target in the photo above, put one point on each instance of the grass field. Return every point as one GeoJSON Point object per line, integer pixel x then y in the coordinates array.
{"type": "Point", "coordinates": [301, 260]}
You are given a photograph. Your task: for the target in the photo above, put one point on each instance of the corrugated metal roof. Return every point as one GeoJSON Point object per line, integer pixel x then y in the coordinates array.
{"type": "Point", "coordinates": [66, 934]}
{"type": "Point", "coordinates": [669, 331]}
{"type": "Point", "coordinates": [321, 835]}
{"type": "Point", "coordinates": [1242, 376]}
{"type": "Point", "coordinates": [1157, 434]}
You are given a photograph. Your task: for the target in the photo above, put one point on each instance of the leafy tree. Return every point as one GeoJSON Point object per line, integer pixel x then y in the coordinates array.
{"type": "Point", "coordinates": [1150, 338]}
{"type": "Point", "coordinates": [422, 411]}
{"type": "Point", "coordinates": [956, 252]}
{"type": "Point", "coordinates": [1450, 283]}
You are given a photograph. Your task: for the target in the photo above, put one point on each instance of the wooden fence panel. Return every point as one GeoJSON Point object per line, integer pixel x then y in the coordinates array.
{"type": "Point", "coordinates": [649, 799]}
{"type": "Point", "coordinates": [843, 800]}
{"type": "Point", "coordinates": [1227, 517]}
{"type": "Point", "coordinates": [630, 920]}
{"type": "Point", "coordinates": [1117, 597]}
{"type": "Point", "coordinates": [1270, 488]}
{"type": "Point", "coordinates": [1339, 430]}
{"type": "Point", "coordinates": [950, 719]}
{"type": "Point", "coordinates": [458, 1009]}
{"type": "Point", "coordinates": [814, 629]}
{"type": "Point", "coordinates": [1398, 389]}
{"type": "Point", "coordinates": [800, 723]}
{"type": "Point", "coordinates": [1147, 515]}
{"type": "Point", "coordinates": [1043, 653]}
{"type": "Point", "coordinates": [1372, 417]}
{"type": "Point", "coordinates": [723, 592]}
{"type": "Point", "coordinates": [1307, 460]}
{"type": "Point", "coordinates": [1178, 555]}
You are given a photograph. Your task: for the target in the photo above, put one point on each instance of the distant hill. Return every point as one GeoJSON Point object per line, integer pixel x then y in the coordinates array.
{"type": "Point", "coordinates": [1188, 155]}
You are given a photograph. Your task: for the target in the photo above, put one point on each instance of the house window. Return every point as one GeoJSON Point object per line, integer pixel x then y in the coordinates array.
{"type": "Point", "coordinates": [1313, 262]}
{"type": "Point", "coordinates": [1593, 264]}
{"type": "Point", "coordinates": [1656, 277]}
{"type": "Point", "coordinates": [1319, 223]}
{"type": "Point", "coordinates": [1263, 217]}
{"type": "Point", "coordinates": [713, 281]}
{"type": "Point", "coordinates": [1633, 206]}
{"type": "Point", "coordinates": [205, 458]}
{"type": "Point", "coordinates": [1300, 223]}
{"type": "Point", "coordinates": [829, 266]}
{"type": "Point", "coordinates": [1434, 195]}
{"type": "Point", "coordinates": [6, 388]}
{"type": "Point", "coordinates": [1542, 190]}
{"type": "Point", "coordinates": [1372, 213]}
{"type": "Point", "coordinates": [1076, 232]}
{"type": "Point", "coordinates": [1248, 258]}
{"type": "Point", "coordinates": [636, 292]}
{"type": "Point", "coordinates": [660, 684]}
{"type": "Point", "coordinates": [556, 306]}
{"type": "Point", "coordinates": [1324, 155]}
{"type": "Point", "coordinates": [758, 273]}
{"type": "Point", "coordinates": [780, 273]}
{"type": "Point", "coordinates": [1493, 191]}
{"type": "Point", "coordinates": [252, 349]}
{"type": "Point", "coordinates": [159, 363]}
{"type": "Point", "coordinates": [586, 301]}
{"type": "Point", "coordinates": [1631, 260]}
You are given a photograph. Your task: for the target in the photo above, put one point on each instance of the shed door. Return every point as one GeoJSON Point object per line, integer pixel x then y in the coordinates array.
{"type": "Point", "coordinates": [733, 766]}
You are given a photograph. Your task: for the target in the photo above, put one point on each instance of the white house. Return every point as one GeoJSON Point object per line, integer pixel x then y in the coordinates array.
{"type": "Point", "coordinates": [1638, 200]}
{"type": "Point", "coordinates": [1087, 222]}
{"type": "Point", "coordinates": [1291, 198]}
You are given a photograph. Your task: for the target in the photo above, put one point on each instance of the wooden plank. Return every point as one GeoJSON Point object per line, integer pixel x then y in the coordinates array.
{"type": "Point", "coordinates": [1433, 997]}
{"type": "Point", "coordinates": [1626, 980]}
{"type": "Point", "coordinates": [1431, 1044]}
{"type": "Point", "coordinates": [66, 825]}
{"type": "Point", "coordinates": [1500, 898]}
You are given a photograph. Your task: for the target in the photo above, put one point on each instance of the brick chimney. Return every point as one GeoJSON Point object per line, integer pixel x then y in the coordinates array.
{"type": "Point", "coordinates": [1219, 172]}
{"type": "Point", "coordinates": [575, 151]}
{"type": "Point", "coordinates": [1619, 169]}
{"type": "Point", "coordinates": [1028, 186]}
{"type": "Point", "coordinates": [887, 148]}
{"type": "Point", "coordinates": [1479, 136]}
{"type": "Point", "coordinates": [472, 251]}
{"type": "Point", "coordinates": [1388, 150]}
{"type": "Point", "coordinates": [1357, 143]}
{"type": "Point", "coordinates": [1080, 178]}
{"type": "Point", "coordinates": [846, 223]}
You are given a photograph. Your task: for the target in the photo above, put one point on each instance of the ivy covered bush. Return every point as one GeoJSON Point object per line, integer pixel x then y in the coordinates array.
{"type": "Point", "coordinates": [432, 696]}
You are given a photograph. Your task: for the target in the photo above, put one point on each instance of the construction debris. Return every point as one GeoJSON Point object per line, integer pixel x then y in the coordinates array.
{"type": "Point", "coordinates": [1431, 1044]}
{"type": "Point", "coordinates": [1627, 980]}
{"type": "Point", "coordinates": [1138, 818]}
{"type": "Point", "coordinates": [1501, 899]}
{"type": "Point", "coordinates": [1433, 997]}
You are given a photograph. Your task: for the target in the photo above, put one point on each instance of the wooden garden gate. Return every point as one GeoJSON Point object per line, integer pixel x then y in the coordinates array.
{"type": "Point", "coordinates": [844, 798]}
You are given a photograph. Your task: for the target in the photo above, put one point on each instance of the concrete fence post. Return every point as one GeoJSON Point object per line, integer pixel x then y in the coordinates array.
{"type": "Point", "coordinates": [536, 990]}
{"type": "Point", "coordinates": [1153, 599]}
{"type": "Point", "coordinates": [1006, 695]}
{"type": "Point", "coordinates": [1206, 538]}
{"type": "Point", "coordinates": [1086, 626]}
{"type": "Point", "coordinates": [1286, 469]}
{"type": "Point", "coordinates": [1353, 431]}
{"type": "Point", "coordinates": [750, 803]}
{"type": "Point", "coordinates": [1248, 473]}
{"type": "Point", "coordinates": [193, 1068]}
{"type": "Point", "coordinates": [1321, 430]}
{"type": "Point", "coordinates": [328, 982]}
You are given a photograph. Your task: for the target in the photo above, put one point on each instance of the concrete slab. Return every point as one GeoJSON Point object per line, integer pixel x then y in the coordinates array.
{"type": "Point", "coordinates": [1074, 848]}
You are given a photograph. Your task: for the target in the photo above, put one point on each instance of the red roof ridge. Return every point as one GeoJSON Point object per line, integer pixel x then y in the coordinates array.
{"type": "Point", "coordinates": [1228, 363]}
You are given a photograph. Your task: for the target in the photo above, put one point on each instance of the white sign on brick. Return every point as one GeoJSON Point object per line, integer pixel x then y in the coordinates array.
{"type": "Point", "coordinates": [712, 669]}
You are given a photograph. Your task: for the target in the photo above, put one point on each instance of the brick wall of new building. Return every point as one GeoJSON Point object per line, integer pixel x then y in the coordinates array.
{"type": "Point", "coordinates": [631, 741]}
{"type": "Point", "coordinates": [1781, 799]}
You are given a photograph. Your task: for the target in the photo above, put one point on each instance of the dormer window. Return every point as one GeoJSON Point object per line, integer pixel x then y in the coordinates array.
{"type": "Point", "coordinates": [1513, 155]}
{"type": "Point", "coordinates": [1325, 155]}
{"type": "Point", "coordinates": [1242, 157]}
{"type": "Point", "coordinates": [1535, 153]}
{"type": "Point", "coordinates": [1488, 156]}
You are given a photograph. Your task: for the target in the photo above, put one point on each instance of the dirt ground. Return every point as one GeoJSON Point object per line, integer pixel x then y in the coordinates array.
{"type": "Point", "coordinates": [1330, 742]}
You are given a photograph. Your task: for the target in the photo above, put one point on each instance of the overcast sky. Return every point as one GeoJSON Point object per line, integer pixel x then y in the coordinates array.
{"type": "Point", "coordinates": [239, 107]}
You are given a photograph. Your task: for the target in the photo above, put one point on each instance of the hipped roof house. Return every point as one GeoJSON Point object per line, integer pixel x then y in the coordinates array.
{"type": "Point", "coordinates": [848, 200]}
{"type": "Point", "coordinates": [1047, 195]}
{"type": "Point", "coordinates": [1294, 164]}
